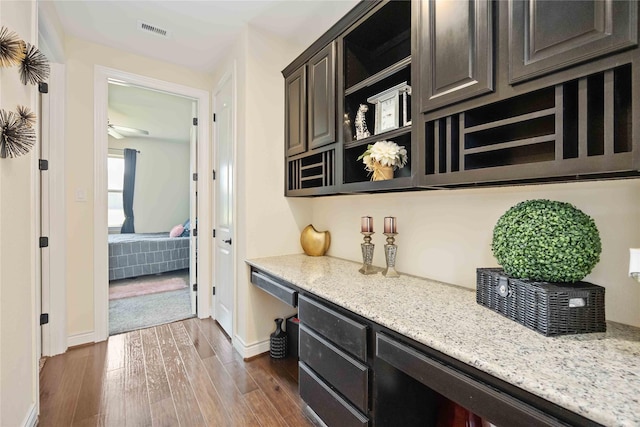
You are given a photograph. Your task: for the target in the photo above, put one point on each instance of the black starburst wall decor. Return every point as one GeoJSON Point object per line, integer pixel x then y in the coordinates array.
{"type": "Point", "coordinates": [17, 135]}
{"type": "Point", "coordinates": [12, 49]}
{"type": "Point", "coordinates": [34, 67]}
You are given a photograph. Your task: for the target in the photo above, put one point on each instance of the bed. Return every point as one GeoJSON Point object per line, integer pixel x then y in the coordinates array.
{"type": "Point", "coordinates": [138, 254]}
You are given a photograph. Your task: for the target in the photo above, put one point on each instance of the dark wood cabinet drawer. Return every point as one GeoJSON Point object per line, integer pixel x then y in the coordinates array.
{"type": "Point", "coordinates": [326, 403]}
{"type": "Point", "coordinates": [345, 374]}
{"type": "Point", "coordinates": [274, 287]}
{"type": "Point", "coordinates": [342, 331]}
{"type": "Point", "coordinates": [480, 398]}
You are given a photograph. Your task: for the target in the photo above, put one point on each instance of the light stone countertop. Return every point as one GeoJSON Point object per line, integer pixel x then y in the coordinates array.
{"type": "Point", "coordinates": [596, 375]}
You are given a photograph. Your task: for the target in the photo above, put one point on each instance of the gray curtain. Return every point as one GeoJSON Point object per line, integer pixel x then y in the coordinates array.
{"type": "Point", "coordinates": [127, 190]}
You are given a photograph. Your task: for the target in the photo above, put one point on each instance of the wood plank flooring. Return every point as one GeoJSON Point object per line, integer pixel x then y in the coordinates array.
{"type": "Point", "coordinates": [181, 374]}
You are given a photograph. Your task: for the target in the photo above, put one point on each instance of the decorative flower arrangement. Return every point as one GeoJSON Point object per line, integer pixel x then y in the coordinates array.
{"type": "Point", "coordinates": [382, 158]}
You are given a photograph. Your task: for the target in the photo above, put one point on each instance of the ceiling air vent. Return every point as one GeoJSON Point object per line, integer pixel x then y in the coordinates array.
{"type": "Point", "coordinates": [148, 28]}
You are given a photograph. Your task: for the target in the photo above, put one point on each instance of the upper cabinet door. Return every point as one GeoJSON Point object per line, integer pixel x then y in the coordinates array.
{"type": "Point", "coordinates": [322, 97]}
{"type": "Point", "coordinates": [295, 126]}
{"type": "Point", "coordinates": [548, 35]}
{"type": "Point", "coordinates": [455, 51]}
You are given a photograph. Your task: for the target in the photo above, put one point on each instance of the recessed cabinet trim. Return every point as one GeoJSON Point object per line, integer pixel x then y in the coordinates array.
{"type": "Point", "coordinates": [456, 51]}
{"type": "Point", "coordinates": [295, 120]}
{"type": "Point", "coordinates": [322, 97]}
{"type": "Point", "coordinates": [547, 36]}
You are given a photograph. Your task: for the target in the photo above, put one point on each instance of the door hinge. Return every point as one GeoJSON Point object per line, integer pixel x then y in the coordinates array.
{"type": "Point", "coordinates": [44, 319]}
{"type": "Point", "coordinates": [214, 117]}
{"type": "Point", "coordinates": [195, 287]}
{"type": "Point", "coordinates": [214, 290]}
{"type": "Point", "coordinates": [214, 233]}
{"type": "Point", "coordinates": [214, 174]}
{"type": "Point", "coordinates": [43, 242]}
{"type": "Point", "coordinates": [43, 87]}
{"type": "Point", "coordinates": [195, 121]}
{"type": "Point", "coordinates": [195, 176]}
{"type": "Point", "coordinates": [194, 232]}
{"type": "Point", "coordinates": [43, 165]}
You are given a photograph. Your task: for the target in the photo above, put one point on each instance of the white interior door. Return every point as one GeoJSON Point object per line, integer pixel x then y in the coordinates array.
{"type": "Point", "coordinates": [193, 209]}
{"type": "Point", "coordinates": [224, 140]}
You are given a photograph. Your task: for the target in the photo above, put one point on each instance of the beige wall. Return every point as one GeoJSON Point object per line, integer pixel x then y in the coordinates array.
{"type": "Point", "coordinates": [161, 195]}
{"type": "Point", "coordinates": [81, 59]}
{"type": "Point", "coordinates": [18, 366]}
{"type": "Point", "coordinates": [446, 235]}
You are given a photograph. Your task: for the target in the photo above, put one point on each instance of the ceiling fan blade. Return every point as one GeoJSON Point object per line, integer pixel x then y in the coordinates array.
{"type": "Point", "coordinates": [113, 133]}
{"type": "Point", "coordinates": [129, 130]}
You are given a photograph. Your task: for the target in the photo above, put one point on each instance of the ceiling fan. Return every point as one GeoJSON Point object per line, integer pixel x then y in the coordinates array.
{"type": "Point", "coordinates": [119, 132]}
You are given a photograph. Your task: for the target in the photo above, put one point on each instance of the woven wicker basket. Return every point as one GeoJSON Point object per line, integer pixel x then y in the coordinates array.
{"type": "Point", "coordinates": [549, 308]}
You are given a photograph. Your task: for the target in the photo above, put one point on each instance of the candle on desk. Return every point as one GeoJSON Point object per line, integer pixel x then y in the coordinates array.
{"type": "Point", "coordinates": [390, 225]}
{"type": "Point", "coordinates": [367, 224]}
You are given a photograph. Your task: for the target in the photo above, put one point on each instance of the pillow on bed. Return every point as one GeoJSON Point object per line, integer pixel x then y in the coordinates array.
{"type": "Point", "coordinates": [176, 231]}
{"type": "Point", "coordinates": [187, 228]}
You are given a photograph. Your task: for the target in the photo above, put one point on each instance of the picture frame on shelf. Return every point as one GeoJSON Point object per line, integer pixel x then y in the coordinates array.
{"type": "Point", "coordinates": [392, 108]}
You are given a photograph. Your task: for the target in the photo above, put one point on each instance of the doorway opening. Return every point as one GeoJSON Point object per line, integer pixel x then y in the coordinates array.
{"type": "Point", "coordinates": [152, 203]}
{"type": "Point", "coordinates": [137, 141]}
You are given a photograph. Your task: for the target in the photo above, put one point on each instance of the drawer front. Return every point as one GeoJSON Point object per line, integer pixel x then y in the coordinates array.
{"type": "Point", "coordinates": [486, 401]}
{"type": "Point", "coordinates": [344, 373]}
{"type": "Point", "coordinates": [326, 403]}
{"type": "Point", "coordinates": [271, 286]}
{"type": "Point", "coordinates": [346, 333]}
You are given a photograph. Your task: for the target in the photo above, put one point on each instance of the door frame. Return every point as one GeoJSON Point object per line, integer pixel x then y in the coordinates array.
{"type": "Point", "coordinates": [229, 75]}
{"type": "Point", "coordinates": [100, 229]}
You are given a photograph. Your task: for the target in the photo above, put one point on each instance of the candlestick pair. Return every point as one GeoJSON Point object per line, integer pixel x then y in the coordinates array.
{"type": "Point", "coordinates": [390, 250]}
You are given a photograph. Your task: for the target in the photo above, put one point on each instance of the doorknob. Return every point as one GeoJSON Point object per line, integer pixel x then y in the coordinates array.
{"type": "Point", "coordinates": [227, 241]}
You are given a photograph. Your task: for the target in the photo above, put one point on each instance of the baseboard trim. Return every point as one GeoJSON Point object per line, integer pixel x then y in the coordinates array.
{"type": "Point", "coordinates": [248, 351]}
{"type": "Point", "coordinates": [81, 339]}
{"type": "Point", "coordinates": [31, 420]}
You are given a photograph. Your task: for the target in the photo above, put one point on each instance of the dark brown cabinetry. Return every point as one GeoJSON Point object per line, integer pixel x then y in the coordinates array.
{"type": "Point", "coordinates": [322, 98]}
{"type": "Point", "coordinates": [334, 379]}
{"type": "Point", "coordinates": [546, 36]}
{"type": "Point", "coordinates": [295, 117]}
{"type": "Point", "coordinates": [502, 92]}
{"type": "Point", "coordinates": [456, 51]}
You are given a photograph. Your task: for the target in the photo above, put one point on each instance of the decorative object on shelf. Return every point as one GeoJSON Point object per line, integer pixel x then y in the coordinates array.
{"type": "Point", "coordinates": [390, 113]}
{"type": "Point", "coordinates": [634, 263]}
{"type": "Point", "coordinates": [382, 158]}
{"type": "Point", "coordinates": [12, 49]}
{"type": "Point", "coordinates": [34, 67]}
{"type": "Point", "coordinates": [278, 341]}
{"type": "Point", "coordinates": [546, 240]}
{"type": "Point", "coordinates": [314, 243]}
{"type": "Point", "coordinates": [390, 249]}
{"type": "Point", "coordinates": [347, 133]}
{"type": "Point", "coordinates": [361, 123]}
{"type": "Point", "coordinates": [367, 247]}
{"type": "Point", "coordinates": [548, 308]}
{"type": "Point", "coordinates": [17, 136]}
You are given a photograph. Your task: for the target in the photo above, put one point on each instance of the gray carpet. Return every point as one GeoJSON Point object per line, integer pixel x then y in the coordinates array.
{"type": "Point", "coordinates": [128, 314]}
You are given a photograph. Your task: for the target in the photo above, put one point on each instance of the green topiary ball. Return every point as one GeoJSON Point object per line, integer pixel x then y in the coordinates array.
{"type": "Point", "coordinates": [546, 240]}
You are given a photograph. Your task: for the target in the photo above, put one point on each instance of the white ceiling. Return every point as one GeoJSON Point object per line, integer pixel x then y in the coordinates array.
{"type": "Point", "coordinates": [200, 31]}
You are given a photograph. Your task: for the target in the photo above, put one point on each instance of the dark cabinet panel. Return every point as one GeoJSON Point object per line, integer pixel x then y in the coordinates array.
{"type": "Point", "coordinates": [346, 333]}
{"type": "Point", "coordinates": [330, 407]}
{"type": "Point", "coordinates": [322, 98]}
{"type": "Point", "coordinates": [274, 287]}
{"type": "Point", "coordinates": [348, 376]}
{"type": "Point", "coordinates": [296, 112]}
{"type": "Point", "coordinates": [545, 36]}
{"type": "Point", "coordinates": [456, 51]}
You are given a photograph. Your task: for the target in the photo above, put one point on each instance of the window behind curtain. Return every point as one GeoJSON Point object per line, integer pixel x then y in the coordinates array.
{"type": "Point", "coordinates": [115, 179]}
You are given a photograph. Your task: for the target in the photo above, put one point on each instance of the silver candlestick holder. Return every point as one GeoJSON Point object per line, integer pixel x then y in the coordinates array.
{"type": "Point", "coordinates": [367, 254]}
{"type": "Point", "coordinates": [390, 250]}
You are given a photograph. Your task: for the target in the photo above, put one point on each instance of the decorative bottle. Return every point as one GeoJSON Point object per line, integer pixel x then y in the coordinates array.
{"type": "Point", "coordinates": [278, 343]}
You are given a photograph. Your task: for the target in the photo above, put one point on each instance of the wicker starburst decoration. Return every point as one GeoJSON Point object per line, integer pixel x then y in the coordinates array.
{"type": "Point", "coordinates": [26, 116]}
{"type": "Point", "coordinates": [16, 136]}
{"type": "Point", "coordinates": [34, 68]}
{"type": "Point", "coordinates": [12, 48]}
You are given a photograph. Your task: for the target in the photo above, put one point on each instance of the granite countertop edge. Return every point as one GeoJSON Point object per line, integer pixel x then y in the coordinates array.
{"type": "Point", "coordinates": [595, 375]}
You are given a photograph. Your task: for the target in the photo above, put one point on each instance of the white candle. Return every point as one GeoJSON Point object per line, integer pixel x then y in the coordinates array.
{"type": "Point", "coordinates": [634, 261]}
{"type": "Point", "coordinates": [390, 224]}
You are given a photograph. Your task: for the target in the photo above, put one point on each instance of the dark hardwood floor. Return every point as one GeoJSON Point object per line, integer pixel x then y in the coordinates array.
{"type": "Point", "coordinates": [181, 374]}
